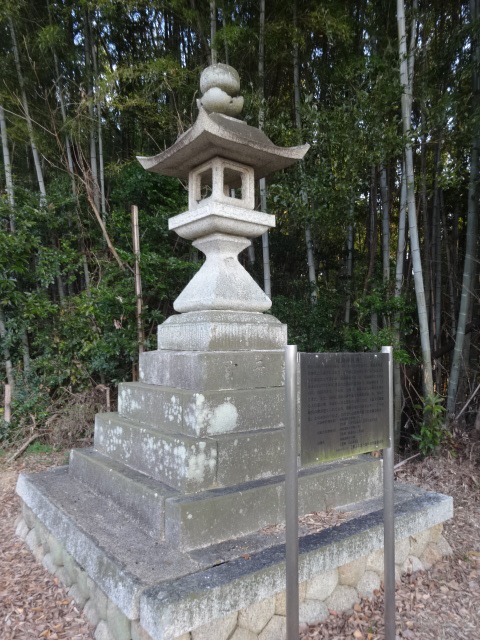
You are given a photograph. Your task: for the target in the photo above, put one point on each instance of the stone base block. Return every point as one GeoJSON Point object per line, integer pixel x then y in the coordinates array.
{"type": "Point", "coordinates": [190, 464]}
{"type": "Point", "coordinates": [222, 514]}
{"type": "Point", "coordinates": [155, 592]}
{"type": "Point", "coordinates": [221, 331]}
{"type": "Point", "coordinates": [198, 520]}
{"type": "Point", "coordinates": [201, 414]}
{"type": "Point", "coordinates": [213, 370]}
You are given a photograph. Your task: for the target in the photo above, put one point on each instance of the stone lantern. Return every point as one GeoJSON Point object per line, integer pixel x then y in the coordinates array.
{"type": "Point", "coordinates": [157, 528]}
{"type": "Point", "coordinates": [222, 157]}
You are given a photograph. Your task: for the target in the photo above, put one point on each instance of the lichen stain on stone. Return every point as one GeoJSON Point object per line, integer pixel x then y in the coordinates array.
{"type": "Point", "coordinates": [198, 416]}
{"type": "Point", "coordinates": [173, 409]}
{"type": "Point", "coordinates": [201, 461]}
{"type": "Point", "coordinates": [224, 419]}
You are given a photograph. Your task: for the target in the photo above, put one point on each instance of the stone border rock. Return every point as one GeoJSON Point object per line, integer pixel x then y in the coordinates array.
{"type": "Point", "coordinates": [335, 590]}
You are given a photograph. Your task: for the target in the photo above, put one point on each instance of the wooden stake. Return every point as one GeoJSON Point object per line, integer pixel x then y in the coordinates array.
{"type": "Point", "coordinates": [7, 416]}
{"type": "Point", "coordinates": [138, 280]}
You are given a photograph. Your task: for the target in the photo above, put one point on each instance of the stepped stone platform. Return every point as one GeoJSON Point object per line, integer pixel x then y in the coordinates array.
{"type": "Point", "coordinates": [135, 587]}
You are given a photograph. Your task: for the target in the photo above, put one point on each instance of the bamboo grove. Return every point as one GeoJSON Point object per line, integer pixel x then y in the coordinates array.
{"type": "Point", "coordinates": [377, 231]}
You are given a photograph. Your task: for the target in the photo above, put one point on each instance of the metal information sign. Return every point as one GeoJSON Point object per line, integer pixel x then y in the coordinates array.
{"type": "Point", "coordinates": [344, 403]}
{"type": "Point", "coordinates": [346, 407]}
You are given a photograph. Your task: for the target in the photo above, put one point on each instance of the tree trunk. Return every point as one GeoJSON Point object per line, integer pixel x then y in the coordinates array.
{"type": "Point", "coordinates": [349, 270]}
{"type": "Point", "coordinates": [385, 224]}
{"type": "Point", "coordinates": [36, 156]}
{"type": "Point", "coordinates": [8, 169]}
{"type": "Point", "coordinates": [93, 144]}
{"type": "Point", "coordinates": [406, 79]}
{"type": "Point", "coordinates": [267, 278]}
{"type": "Point", "coordinates": [312, 277]}
{"type": "Point", "coordinates": [213, 30]}
{"type": "Point", "coordinates": [471, 237]}
{"type": "Point", "coordinates": [397, 381]}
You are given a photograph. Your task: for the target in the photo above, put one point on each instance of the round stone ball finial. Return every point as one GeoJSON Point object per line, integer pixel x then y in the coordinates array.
{"type": "Point", "coordinates": [220, 86]}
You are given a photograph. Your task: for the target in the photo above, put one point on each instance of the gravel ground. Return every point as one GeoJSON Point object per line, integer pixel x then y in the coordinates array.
{"type": "Point", "coordinates": [441, 603]}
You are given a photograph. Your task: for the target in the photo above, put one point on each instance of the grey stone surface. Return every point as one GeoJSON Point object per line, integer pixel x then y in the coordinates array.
{"type": "Point", "coordinates": [276, 629]}
{"type": "Point", "coordinates": [31, 540]}
{"type": "Point", "coordinates": [220, 135]}
{"type": "Point", "coordinates": [368, 583]}
{"type": "Point", "coordinates": [213, 370]}
{"type": "Point", "coordinates": [28, 516]}
{"type": "Point", "coordinates": [436, 532]}
{"type": "Point", "coordinates": [255, 617]}
{"type": "Point", "coordinates": [342, 598]}
{"type": "Point", "coordinates": [100, 599]}
{"type": "Point", "coordinates": [64, 577]}
{"type": "Point", "coordinates": [247, 456]}
{"type": "Point", "coordinates": [118, 623]}
{"type": "Point", "coordinates": [222, 76]}
{"type": "Point", "coordinates": [434, 552]}
{"type": "Point", "coordinates": [221, 628]}
{"type": "Point", "coordinates": [137, 494]}
{"type": "Point", "coordinates": [22, 530]}
{"type": "Point", "coordinates": [201, 414]}
{"type": "Point", "coordinates": [281, 599]}
{"type": "Point", "coordinates": [102, 632]}
{"type": "Point", "coordinates": [322, 585]}
{"type": "Point", "coordinates": [176, 592]}
{"type": "Point", "coordinates": [49, 563]}
{"type": "Point", "coordinates": [221, 331]}
{"type": "Point", "coordinates": [342, 485]}
{"type": "Point", "coordinates": [91, 613]}
{"type": "Point", "coordinates": [56, 550]}
{"type": "Point", "coordinates": [312, 611]}
{"type": "Point", "coordinates": [78, 595]}
{"type": "Point", "coordinates": [412, 564]}
{"type": "Point", "coordinates": [349, 574]}
{"type": "Point", "coordinates": [375, 562]}
{"type": "Point", "coordinates": [221, 514]}
{"type": "Point", "coordinates": [243, 634]}
{"type": "Point", "coordinates": [138, 633]}
{"type": "Point", "coordinates": [94, 534]}
{"type": "Point", "coordinates": [222, 283]}
{"type": "Point", "coordinates": [418, 543]}
{"type": "Point", "coordinates": [189, 464]}
{"type": "Point", "coordinates": [182, 462]}
{"type": "Point", "coordinates": [402, 550]}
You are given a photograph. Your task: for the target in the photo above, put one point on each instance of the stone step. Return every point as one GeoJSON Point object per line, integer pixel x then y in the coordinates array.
{"type": "Point", "coordinates": [201, 414]}
{"type": "Point", "coordinates": [213, 370]}
{"type": "Point", "coordinates": [222, 514]}
{"type": "Point", "coordinates": [138, 495]}
{"type": "Point", "coordinates": [191, 464]}
{"type": "Point", "coordinates": [197, 520]}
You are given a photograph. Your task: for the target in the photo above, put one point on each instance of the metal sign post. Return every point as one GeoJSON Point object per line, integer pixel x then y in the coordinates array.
{"type": "Point", "coordinates": [291, 493]}
{"type": "Point", "coordinates": [389, 512]}
{"type": "Point", "coordinates": [346, 408]}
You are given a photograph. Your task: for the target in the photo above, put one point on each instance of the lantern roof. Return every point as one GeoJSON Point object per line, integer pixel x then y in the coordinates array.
{"type": "Point", "coordinates": [220, 135]}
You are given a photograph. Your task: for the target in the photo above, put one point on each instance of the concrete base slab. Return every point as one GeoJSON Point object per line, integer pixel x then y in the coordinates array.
{"type": "Point", "coordinates": [169, 592]}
